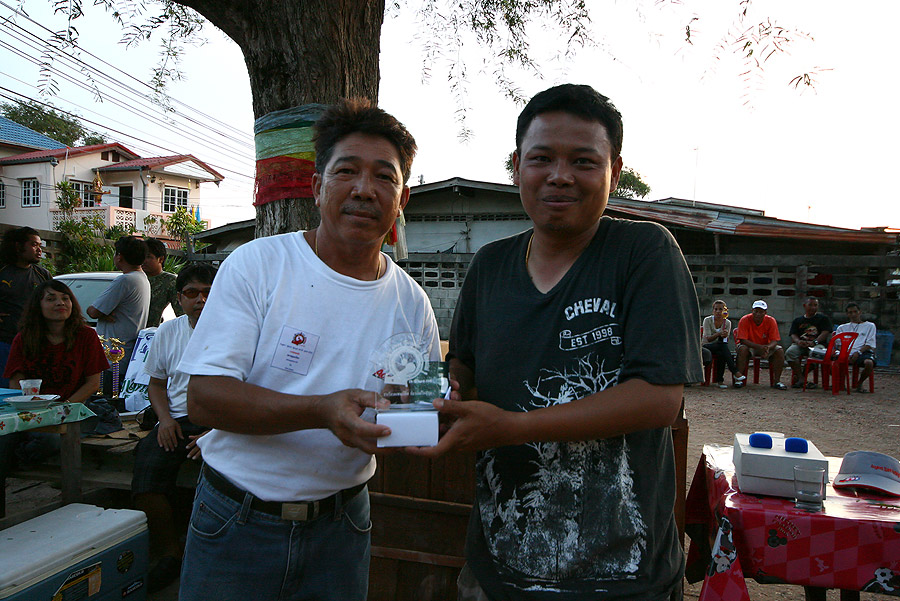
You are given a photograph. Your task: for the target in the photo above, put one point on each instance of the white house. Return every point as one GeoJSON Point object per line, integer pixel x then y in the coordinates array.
{"type": "Point", "coordinates": [112, 181]}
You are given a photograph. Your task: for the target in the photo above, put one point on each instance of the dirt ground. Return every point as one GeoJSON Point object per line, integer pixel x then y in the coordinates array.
{"type": "Point", "coordinates": [836, 424]}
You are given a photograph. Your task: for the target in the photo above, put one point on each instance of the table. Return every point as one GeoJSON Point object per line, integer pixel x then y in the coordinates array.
{"type": "Point", "coordinates": [61, 418]}
{"type": "Point", "coordinates": [852, 545]}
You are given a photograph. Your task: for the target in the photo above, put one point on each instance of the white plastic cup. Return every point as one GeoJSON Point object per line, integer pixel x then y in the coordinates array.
{"type": "Point", "coordinates": [809, 488]}
{"type": "Point", "coordinates": [30, 387]}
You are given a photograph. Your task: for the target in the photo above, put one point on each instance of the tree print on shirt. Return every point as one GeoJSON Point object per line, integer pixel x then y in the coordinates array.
{"type": "Point", "coordinates": [573, 513]}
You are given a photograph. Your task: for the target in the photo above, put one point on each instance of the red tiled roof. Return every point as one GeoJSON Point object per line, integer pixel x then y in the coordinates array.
{"type": "Point", "coordinates": [152, 162]}
{"type": "Point", "coordinates": [61, 153]}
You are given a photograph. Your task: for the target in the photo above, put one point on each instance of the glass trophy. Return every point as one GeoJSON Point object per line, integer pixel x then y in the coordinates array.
{"type": "Point", "coordinates": [411, 382]}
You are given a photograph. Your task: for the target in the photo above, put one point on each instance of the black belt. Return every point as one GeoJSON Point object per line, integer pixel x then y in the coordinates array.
{"type": "Point", "coordinates": [299, 511]}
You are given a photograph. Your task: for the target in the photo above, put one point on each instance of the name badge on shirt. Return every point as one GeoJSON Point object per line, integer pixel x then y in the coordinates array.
{"type": "Point", "coordinates": [295, 350]}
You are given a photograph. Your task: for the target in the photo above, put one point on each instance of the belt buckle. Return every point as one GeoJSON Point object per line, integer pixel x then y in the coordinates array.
{"type": "Point", "coordinates": [294, 512]}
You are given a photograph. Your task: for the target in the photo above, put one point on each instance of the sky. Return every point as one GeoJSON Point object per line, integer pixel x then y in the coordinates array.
{"type": "Point", "coordinates": [696, 127]}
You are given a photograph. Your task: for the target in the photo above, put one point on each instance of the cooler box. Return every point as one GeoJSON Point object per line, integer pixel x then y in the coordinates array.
{"type": "Point", "coordinates": [5, 392]}
{"type": "Point", "coordinates": [884, 343]}
{"type": "Point", "coordinates": [771, 471]}
{"type": "Point", "coordinates": [76, 552]}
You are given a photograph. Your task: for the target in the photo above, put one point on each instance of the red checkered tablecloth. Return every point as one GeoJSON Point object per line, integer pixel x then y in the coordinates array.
{"type": "Point", "coordinates": [852, 544]}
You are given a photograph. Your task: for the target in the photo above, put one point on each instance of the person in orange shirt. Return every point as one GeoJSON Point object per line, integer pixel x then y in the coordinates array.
{"type": "Point", "coordinates": [757, 336]}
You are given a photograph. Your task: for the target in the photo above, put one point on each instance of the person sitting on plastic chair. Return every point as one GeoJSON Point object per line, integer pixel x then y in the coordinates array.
{"type": "Point", "coordinates": [807, 331]}
{"type": "Point", "coordinates": [757, 336]}
{"type": "Point", "coordinates": [862, 352]}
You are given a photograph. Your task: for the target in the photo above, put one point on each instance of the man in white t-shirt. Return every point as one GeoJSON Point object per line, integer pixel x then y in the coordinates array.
{"type": "Point", "coordinates": [283, 367]}
{"type": "Point", "coordinates": [862, 352]}
{"type": "Point", "coordinates": [160, 454]}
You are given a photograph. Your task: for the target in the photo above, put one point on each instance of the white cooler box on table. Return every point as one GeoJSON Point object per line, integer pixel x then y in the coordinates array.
{"type": "Point", "coordinates": [75, 552]}
{"type": "Point", "coordinates": [771, 471]}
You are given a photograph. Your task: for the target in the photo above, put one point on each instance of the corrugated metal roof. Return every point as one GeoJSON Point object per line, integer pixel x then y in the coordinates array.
{"type": "Point", "coordinates": [15, 134]}
{"type": "Point", "coordinates": [726, 222]}
{"type": "Point", "coordinates": [701, 216]}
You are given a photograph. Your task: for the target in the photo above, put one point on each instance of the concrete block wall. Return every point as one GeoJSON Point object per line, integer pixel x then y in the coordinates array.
{"type": "Point", "coordinates": [787, 281]}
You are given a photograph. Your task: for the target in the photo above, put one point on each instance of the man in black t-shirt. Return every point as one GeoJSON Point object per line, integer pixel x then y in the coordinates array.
{"type": "Point", "coordinates": [807, 331]}
{"type": "Point", "coordinates": [20, 253]}
{"type": "Point", "coordinates": [577, 377]}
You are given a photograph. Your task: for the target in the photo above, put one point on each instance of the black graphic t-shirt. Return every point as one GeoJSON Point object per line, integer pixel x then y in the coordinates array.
{"type": "Point", "coordinates": [809, 328]}
{"type": "Point", "coordinates": [588, 519]}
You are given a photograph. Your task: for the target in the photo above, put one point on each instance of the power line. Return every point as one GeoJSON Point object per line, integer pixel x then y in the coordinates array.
{"type": "Point", "coordinates": [102, 126]}
{"type": "Point", "coordinates": [218, 147]}
{"type": "Point", "coordinates": [110, 96]}
{"type": "Point", "coordinates": [126, 74]}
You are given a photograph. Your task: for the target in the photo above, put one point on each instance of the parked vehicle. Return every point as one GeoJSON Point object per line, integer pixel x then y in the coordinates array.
{"type": "Point", "coordinates": [88, 286]}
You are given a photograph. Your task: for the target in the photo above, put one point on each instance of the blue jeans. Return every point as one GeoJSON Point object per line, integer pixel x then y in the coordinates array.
{"type": "Point", "coordinates": [234, 553]}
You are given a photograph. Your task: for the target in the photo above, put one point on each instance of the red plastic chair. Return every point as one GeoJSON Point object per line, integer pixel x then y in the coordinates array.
{"type": "Point", "coordinates": [756, 364]}
{"type": "Point", "coordinates": [710, 369]}
{"type": "Point", "coordinates": [836, 367]}
{"type": "Point", "coordinates": [856, 381]}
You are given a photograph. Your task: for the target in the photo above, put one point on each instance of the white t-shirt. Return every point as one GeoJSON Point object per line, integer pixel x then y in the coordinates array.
{"type": "Point", "coordinates": [128, 296]}
{"type": "Point", "coordinates": [162, 360]}
{"type": "Point", "coordinates": [866, 331]}
{"type": "Point", "coordinates": [278, 317]}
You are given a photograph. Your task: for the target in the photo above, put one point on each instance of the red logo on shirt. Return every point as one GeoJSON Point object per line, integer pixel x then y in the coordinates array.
{"type": "Point", "coordinates": [299, 339]}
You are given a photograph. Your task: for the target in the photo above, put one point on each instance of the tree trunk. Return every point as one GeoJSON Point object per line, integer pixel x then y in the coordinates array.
{"type": "Point", "coordinates": [299, 52]}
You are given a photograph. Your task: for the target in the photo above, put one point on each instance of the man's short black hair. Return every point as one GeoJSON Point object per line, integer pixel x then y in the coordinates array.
{"type": "Point", "coordinates": [852, 304]}
{"type": "Point", "coordinates": [12, 239]}
{"type": "Point", "coordinates": [359, 115]}
{"type": "Point", "coordinates": [132, 249]}
{"type": "Point", "coordinates": [195, 272]}
{"type": "Point", "coordinates": [155, 247]}
{"type": "Point", "coordinates": [578, 100]}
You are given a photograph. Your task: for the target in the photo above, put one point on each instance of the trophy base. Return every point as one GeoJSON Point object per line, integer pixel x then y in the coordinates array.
{"type": "Point", "coordinates": [409, 429]}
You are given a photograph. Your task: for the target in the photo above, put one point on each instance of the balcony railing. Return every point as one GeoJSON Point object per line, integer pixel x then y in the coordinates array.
{"type": "Point", "coordinates": [143, 222]}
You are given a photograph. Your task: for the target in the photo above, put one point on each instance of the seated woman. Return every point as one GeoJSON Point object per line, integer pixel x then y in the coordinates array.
{"type": "Point", "coordinates": [714, 337]}
{"type": "Point", "coordinates": [55, 346]}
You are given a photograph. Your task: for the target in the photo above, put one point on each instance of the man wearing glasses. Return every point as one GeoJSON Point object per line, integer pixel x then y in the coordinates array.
{"type": "Point", "coordinates": [160, 454]}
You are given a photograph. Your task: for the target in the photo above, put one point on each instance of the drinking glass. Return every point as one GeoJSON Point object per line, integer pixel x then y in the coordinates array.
{"type": "Point", "coordinates": [30, 387]}
{"type": "Point", "coordinates": [809, 487]}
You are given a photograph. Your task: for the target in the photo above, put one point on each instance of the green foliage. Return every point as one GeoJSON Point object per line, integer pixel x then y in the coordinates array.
{"type": "Point", "coordinates": [48, 264]}
{"type": "Point", "coordinates": [508, 165]}
{"type": "Point", "coordinates": [182, 224]}
{"type": "Point", "coordinates": [80, 250]}
{"type": "Point", "coordinates": [174, 264]}
{"type": "Point", "coordinates": [103, 261]}
{"type": "Point", "coordinates": [117, 231]}
{"type": "Point", "coordinates": [94, 138]}
{"type": "Point", "coordinates": [62, 127]}
{"type": "Point", "coordinates": [631, 185]}
{"type": "Point", "coordinates": [67, 198]}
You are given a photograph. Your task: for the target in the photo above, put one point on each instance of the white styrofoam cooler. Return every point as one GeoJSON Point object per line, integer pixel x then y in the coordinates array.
{"type": "Point", "coordinates": [771, 471]}
{"type": "Point", "coordinates": [77, 552]}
